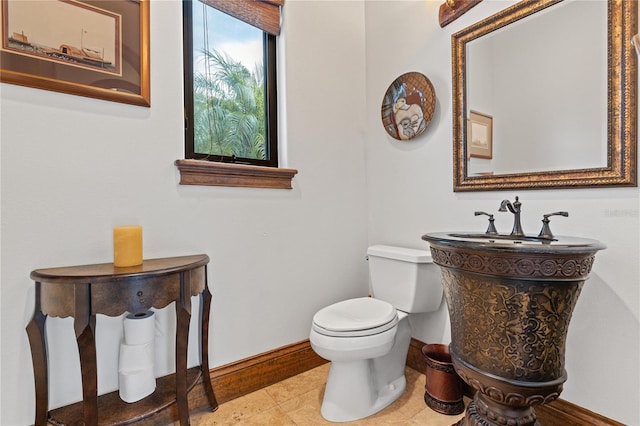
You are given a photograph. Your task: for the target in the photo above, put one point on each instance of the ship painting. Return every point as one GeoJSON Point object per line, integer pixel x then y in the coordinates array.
{"type": "Point", "coordinates": [76, 33]}
{"type": "Point", "coordinates": [79, 54]}
{"type": "Point", "coordinates": [66, 52]}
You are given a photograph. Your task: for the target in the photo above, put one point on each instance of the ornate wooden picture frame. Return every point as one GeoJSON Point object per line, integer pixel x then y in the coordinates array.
{"type": "Point", "coordinates": [88, 48]}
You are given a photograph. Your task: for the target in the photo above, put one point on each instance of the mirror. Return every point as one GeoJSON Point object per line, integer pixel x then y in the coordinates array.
{"type": "Point", "coordinates": [544, 96]}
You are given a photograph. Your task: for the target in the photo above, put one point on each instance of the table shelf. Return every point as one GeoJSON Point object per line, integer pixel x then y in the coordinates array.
{"type": "Point", "coordinates": [113, 411]}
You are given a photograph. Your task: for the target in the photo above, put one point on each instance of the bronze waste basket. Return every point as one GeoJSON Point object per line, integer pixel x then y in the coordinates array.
{"type": "Point", "coordinates": [444, 388]}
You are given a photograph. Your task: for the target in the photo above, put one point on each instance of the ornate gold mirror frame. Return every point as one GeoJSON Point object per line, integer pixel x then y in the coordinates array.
{"type": "Point", "coordinates": [621, 169]}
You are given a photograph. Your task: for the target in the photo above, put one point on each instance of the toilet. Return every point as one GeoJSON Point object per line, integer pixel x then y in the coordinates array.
{"type": "Point", "coordinates": [367, 338]}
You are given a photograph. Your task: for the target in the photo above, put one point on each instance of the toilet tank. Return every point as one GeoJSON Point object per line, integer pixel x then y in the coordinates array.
{"type": "Point", "coordinates": [406, 278]}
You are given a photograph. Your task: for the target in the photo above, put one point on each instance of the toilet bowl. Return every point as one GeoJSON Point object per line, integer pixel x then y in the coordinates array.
{"type": "Point", "coordinates": [367, 339]}
{"type": "Point", "coordinates": [367, 361]}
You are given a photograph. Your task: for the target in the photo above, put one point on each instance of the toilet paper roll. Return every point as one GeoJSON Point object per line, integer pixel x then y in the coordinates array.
{"type": "Point", "coordinates": [136, 357]}
{"type": "Point", "coordinates": [135, 385]}
{"type": "Point", "coordinates": [139, 328]}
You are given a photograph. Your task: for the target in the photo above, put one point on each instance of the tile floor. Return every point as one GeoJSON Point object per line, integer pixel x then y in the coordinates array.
{"type": "Point", "coordinates": [297, 400]}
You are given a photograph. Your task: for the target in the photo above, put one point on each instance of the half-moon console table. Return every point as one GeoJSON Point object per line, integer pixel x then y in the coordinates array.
{"type": "Point", "coordinates": [82, 292]}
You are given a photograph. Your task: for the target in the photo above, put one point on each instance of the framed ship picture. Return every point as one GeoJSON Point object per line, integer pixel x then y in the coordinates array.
{"type": "Point", "coordinates": [98, 49]}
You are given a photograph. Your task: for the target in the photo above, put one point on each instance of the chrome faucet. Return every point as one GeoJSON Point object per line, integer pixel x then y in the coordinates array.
{"type": "Point", "coordinates": [515, 209]}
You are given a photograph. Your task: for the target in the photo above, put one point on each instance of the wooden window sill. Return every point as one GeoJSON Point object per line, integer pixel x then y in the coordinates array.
{"type": "Point", "coordinates": [209, 173]}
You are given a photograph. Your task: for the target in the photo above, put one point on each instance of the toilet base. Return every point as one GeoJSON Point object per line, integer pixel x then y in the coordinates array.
{"type": "Point", "coordinates": [362, 404]}
{"type": "Point", "coordinates": [360, 388]}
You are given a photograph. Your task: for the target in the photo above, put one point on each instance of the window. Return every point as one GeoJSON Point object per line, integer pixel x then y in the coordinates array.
{"type": "Point", "coordinates": [235, 129]}
{"type": "Point", "coordinates": [229, 87]}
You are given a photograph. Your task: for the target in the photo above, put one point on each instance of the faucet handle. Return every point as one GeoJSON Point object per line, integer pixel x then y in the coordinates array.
{"type": "Point", "coordinates": [545, 232]}
{"type": "Point", "coordinates": [491, 230]}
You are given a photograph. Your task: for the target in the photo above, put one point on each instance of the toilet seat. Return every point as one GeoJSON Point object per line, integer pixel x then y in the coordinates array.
{"type": "Point", "coordinates": [362, 316]}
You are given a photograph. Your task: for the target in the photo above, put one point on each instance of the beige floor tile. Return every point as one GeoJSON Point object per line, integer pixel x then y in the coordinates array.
{"type": "Point", "coordinates": [272, 417]}
{"type": "Point", "coordinates": [297, 401]}
{"type": "Point", "coordinates": [305, 409]}
{"type": "Point", "coordinates": [298, 385]}
{"type": "Point", "coordinates": [237, 410]}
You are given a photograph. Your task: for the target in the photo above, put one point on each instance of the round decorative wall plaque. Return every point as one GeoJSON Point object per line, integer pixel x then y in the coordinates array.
{"type": "Point", "coordinates": [408, 105]}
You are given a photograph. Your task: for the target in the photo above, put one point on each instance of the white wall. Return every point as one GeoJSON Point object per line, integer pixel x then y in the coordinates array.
{"type": "Point", "coordinates": [277, 255]}
{"type": "Point", "coordinates": [62, 193]}
{"type": "Point", "coordinates": [410, 193]}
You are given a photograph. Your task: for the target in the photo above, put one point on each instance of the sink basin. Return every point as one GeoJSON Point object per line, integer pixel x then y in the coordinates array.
{"type": "Point", "coordinates": [492, 238]}
{"type": "Point", "coordinates": [557, 244]}
{"type": "Point", "coordinates": [510, 301]}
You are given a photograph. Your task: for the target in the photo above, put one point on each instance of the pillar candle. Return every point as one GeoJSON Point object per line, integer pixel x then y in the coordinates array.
{"type": "Point", "coordinates": [127, 246]}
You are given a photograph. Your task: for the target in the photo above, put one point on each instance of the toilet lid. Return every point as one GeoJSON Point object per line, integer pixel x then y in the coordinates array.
{"type": "Point", "coordinates": [364, 315]}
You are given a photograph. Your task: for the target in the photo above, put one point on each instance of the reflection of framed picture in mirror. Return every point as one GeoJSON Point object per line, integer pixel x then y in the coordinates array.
{"type": "Point", "coordinates": [480, 135]}
{"type": "Point", "coordinates": [89, 48]}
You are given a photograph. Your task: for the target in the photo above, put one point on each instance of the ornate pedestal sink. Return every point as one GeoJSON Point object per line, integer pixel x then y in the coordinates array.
{"type": "Point", "coordinates": [510, 300]}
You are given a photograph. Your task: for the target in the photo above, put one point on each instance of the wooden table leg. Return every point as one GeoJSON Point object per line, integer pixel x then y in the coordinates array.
{"type": "Point", "coordinates": [84, 325]}
{"type": "Point", "coordinates": [183, 316]}
{"type": "Point", "coordinates": [205, 307]}
{"type": "Point", "coordinates": [36, 331]}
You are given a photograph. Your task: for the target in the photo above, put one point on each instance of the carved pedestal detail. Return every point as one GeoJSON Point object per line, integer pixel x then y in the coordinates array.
{"type": "Point", "coordinates": [510, 328]}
